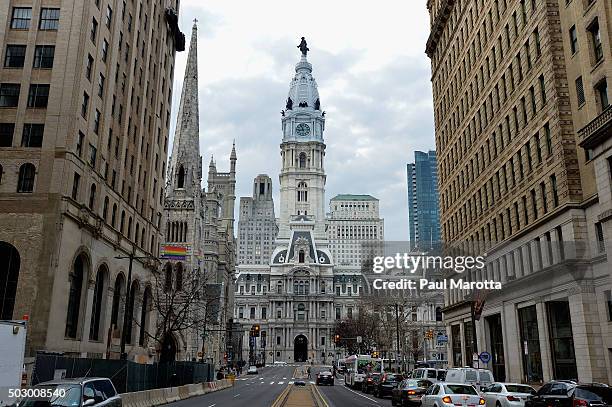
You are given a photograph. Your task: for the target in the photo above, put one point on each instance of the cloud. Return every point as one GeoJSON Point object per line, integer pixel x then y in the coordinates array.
{"type": "Point", "coordinates": [373, 84]}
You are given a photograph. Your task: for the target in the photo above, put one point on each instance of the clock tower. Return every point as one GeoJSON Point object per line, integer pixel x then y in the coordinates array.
{"type": "Point", "coordinates": [302, 177]}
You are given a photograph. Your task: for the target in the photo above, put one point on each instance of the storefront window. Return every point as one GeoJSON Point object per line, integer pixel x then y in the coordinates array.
{"type": "Point", "coordinates": [561, 340]}
{"type": "Point", "coordinates": [530, 344]}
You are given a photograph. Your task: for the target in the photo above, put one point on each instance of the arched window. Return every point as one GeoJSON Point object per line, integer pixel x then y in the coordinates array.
{"type": "Point", "coordinates": [122, 221]}
{"type": "Point", "coordinates": [438, 314]}
{"type": "Point", "coordinates": [92, 196]}
{"type": "Point", "coordinates": [105, 210]}
{"type": "Point", "coordinates": [129, 230]}
{"type": "Point", "coordinates": [25, 183]}
{"type": "Point", "coordinates": [97, 305]}
{"type": "Point", "coordinates": [302, 160]}
{"type": "Point", "coordinates": [180, 183]}
{"type": "Point", "coordinates": [302, 191]}
{"type": "Point", "coordinates": [130, 316]}
{"type": "Point", "coordinates": [10, 263]}
{"type": "Point", "coordinates": [302, 256]}
{"type": "Point", "coordinates": [279, 287]}
{"type": "Point", "coordinates": [168, 278]}
{"type": "Point", "coordinates": [144, 316]}
{"type": "Point", "coordinates": [74, 296]}
{"type": "Point", "coordinates": [137, 234]}
{"type": "Point", "coordinates": [114, 216]}
{"type": "Point", "coordinates": [142, 238]}
{"type": "Point", "coordinates": [117, 295]}
{"type": "Point", "coordinates": [179, 276]}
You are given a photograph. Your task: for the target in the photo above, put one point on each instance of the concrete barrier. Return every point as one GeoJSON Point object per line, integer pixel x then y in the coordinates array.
{"type": "Point", "coordinates": [158, 397]}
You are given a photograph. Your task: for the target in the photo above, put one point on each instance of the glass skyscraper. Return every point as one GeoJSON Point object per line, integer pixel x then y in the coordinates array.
{"type": "Point", "coordinates": [423, 209]}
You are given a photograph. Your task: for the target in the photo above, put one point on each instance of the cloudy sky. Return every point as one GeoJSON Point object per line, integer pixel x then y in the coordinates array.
{"type": "Point", "coordinates": [373, 75]}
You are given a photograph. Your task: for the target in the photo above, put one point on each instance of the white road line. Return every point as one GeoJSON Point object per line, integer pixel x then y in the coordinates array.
{"type": "Point", "coordinates": [361, 395]}
{"type": "Point", "coordinates": [291, 382]}
{"type": "Point", "coordinates": [281, 382]}
{"type": "Point", "coordinates": [284, 378]}
{"type": "Point", "coordinates": [212, 405]}
{"type": "Point", "coordinates": [271, 382]}
{"type": "Point", "coordinates": [237, 395]}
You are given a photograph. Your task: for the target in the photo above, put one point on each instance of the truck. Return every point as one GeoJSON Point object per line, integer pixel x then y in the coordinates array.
{"type": "Point", "coordinates": [12, 353]}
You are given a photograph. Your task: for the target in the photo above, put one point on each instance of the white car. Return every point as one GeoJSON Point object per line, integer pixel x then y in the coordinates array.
{"type": "Point", "coordinates": [252, 370]}
{"type": "Point", "coordinates": [507, 394]}
{"type": "Point", "coordinates": [452, 395]}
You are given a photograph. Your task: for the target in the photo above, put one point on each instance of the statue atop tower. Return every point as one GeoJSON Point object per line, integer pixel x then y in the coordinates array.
{"type": "Point", "coordinates": [303, 47]}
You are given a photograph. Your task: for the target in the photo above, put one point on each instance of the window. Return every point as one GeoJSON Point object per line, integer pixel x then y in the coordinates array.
{"type": "Point", "coordinates": [14, 56]}
{"type": "Point", "coordinates": [43, 56]}
{"type": "Point", "coordinates": [555, 192]}
{"type": "Point", "coordinates": [544, 200]}
{"type": "Point", "coordinates": [92, 196]}
{"type": "Point", "coordinates": [9, 94]}
{"type": "Point", "coordinates": [49, 19]}
{"type": "Point", "coordinates": [74, 297]}
{"type": "Point", "coordinates": [602, 92]}
{"type": "Point", "coordinates": [601, 243]}
{"type": "Point", "coordinates": [75, 186]}
{"type": "Point", "coordinates": [302, 191]}
{"type": "Point", "coordinates": [84, 105]}
{"type": "Point", "coordinates": [38, 95]}
{"type": "Point", "coordinates": [6, 134]}
{"type": "Point", "coordinates": [32, 135]}
{"type": "Point", "coordinates": [252, 313]}
{"type": "Point", "coordinates": [104, 50]}
{"type": "Point", "coordinates": [534, 204]}
{"type": "Point", "coordinates": [573, 39]}
{"type": "Point", "coordinates": [89, 67]}
{"type": "Point", "coordinates": [27, 173]}
{"type": "Point", "coordinates": [536, 35]}
{"type": "Point", "coordinates": [580, 91]}
{"type": "Point", "coordinates": [101, 85]}
{"type": "Point", "coordinates": [548, 139]}
{"type": "Point", "coordinates": [109, 16]}
{"type": "Point", "coordinates": [338, 313]}
{"type": "Point", "coordinates": [93, 30]}
{"type": "Point", "coordinates": [264, 313]}
{"type": "Point", "coordinates": [21, 18]}
{"type": "Point", "coordinates": [302, 160]}
{"type": "Point", "coordinates": [596, 41]}
{"type": "Point", "coordinates": [542, 89]}
{"type": "Point", "coordinates": [93, 151]}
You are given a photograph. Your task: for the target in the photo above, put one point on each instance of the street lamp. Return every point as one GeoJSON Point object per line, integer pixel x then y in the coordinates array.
{"type": "Point", "coordinates": [123, 354]}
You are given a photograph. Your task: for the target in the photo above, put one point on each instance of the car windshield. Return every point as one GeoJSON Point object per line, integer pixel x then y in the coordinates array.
{"type": "Point", "coordinates": [393, 378]}
{"type": "Point", "coordinates": [515, 388]}
{"type": "Point", "coordinates": [459, 389]}
{"type": "Point", "coordinates": [595, 393]}
{"type": "Point", "coordinates": [64, 395]}
{"type": "Point", "coordinates": [325, 373]}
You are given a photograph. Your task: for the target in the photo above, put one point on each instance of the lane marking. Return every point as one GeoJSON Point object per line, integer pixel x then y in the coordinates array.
{"type": "Point", "coordinates": [361, 395]}
{"type": "Point", "coordinates": [271, 382]}
{"type": "Point", "coordinates": [281, 382]}
{"type": "Point", "coordinates": [237, 395]}
{"type": "Point", "coordinates": [212, 405]}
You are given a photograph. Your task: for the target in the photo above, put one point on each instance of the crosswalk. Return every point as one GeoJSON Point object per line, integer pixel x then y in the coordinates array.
{"type": "Point", "coordinates": [261, 381]}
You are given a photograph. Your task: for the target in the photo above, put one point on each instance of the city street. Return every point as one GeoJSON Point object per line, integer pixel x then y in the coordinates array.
{"type": "Point", "coordinates": [263, 389]}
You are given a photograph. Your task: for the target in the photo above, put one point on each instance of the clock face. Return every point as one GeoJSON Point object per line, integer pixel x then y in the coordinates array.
{"type": "Point", "coordinates": [302, 129]}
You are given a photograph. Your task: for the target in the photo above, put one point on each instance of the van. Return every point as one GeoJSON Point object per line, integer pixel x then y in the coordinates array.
{"type": "Point", "coordinates": [426, 373]}
{"type": "Point", "coordinates": [479, 378]}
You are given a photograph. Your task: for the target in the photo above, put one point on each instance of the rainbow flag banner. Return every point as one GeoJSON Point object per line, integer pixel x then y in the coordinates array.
{"type": "Point", "coordinates": [170, 252]}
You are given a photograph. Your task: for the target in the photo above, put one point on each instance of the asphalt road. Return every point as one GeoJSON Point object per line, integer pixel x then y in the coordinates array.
{"type": "Point", "coordinates": [261, 390]}
{"type": "Point", "coordinates": [341, 396]}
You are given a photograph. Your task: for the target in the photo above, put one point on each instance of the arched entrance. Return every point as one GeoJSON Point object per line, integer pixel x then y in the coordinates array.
{"type": "Point", "coordinates": [300, 349]}
{"type": "Point", "coordinates": [9, 275]}
{"type": "Point", "coordinates": [168, 351]}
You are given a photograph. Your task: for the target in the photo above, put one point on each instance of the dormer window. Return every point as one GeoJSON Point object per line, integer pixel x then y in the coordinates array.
{"type": "Point", "coordinates": [302, 256]}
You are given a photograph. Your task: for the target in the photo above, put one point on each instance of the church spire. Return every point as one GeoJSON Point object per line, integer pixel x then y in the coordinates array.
{"type": "Point", "coordinates": [186, 162]}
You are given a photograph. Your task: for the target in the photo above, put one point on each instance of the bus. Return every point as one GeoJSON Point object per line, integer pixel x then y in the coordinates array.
{"type": "Point", "coordinates": [357, 366]}
{"type": "Point", "coordinates": [341, 366]}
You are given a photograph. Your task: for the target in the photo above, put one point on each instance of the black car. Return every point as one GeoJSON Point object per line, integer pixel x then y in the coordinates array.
{"type": "Point", "coordinates": [385, 384]}
{"type": "Point", "coordinates": [568, 393]}
{"type": "Point", "coordinates": [369, 382]}
{"type": "Point", "coordinates": [325, 378]}
{"type": "Point", "coordinates": [409, 392]}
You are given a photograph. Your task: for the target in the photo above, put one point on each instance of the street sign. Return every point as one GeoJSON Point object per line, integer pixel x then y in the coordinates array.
{"type": "Point", "coordinates": [442, 338]}
{"type": "Point", "coordinates": [359, 339]}
{"type": "Point", "coordinates": [485, 357]}
{"type": "Point", "coordinates": [475, 357]}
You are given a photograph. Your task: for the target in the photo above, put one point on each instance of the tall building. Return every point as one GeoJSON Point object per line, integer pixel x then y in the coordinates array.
{"type": "Point", "coordinates": [199, 239]}
{"type": "Point", "coordinates": [517, 86]}
{"type": "Point", "coordinates": [84, 90]}
{"type": "Point", "coordinates": [257, 227]}
{"type": "Point", "coordinates": [355, 229]}
{"type": "Point", "coordinates": [423, 201]}
{"type": "Point", "coordinates": [293, 296]}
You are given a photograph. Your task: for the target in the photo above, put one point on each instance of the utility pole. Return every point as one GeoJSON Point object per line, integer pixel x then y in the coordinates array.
{"type": "Point", "coordinates": [397, 334]}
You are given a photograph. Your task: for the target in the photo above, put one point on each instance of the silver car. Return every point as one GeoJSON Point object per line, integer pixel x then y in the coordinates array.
{"type": "Point", "coordinates": [83, 392]}
{"type": "Point", "coordinates": [452, 395]}
{"type": "Point", "coordinates": [507, 394]}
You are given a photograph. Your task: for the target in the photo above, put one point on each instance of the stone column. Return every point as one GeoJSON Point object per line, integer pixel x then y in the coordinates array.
{"type": "Point", "coordinates": [547, 370]}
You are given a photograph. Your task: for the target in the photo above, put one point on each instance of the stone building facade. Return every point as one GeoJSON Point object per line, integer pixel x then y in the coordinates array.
{"type": "Point", "coordinates": [355, 229]}
{"type": "Point", "coordinates": [257, 227]}
{"type": "Point", "coordinates": [514, 83]}
{"type": "Point", "coordinates": [83, 144]}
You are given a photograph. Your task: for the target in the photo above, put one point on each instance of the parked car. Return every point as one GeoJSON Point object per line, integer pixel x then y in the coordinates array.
{"type": "Point", "coordinates": [571, 394]}
{"type": "Point", "coordinates": [480, 378]}
{"type": "Point", "coordinates": [507, 394]}
{"type": "Point", "coordinates": [427, 373]}
{"type": "Point", "coordinates": [451, 395]}
{"type": "Point", "coordinates": [369, 382]}
{"type": "Point", "coordinates": [409, 392]}
{"type": "Point", "coordinates": [385, 384]}
{"type": "Point", "coordinates": [325, 377]}
{"type": "Point", "coordinates": [83, 392]}
{"type": "Point", "coordinates": [252, 370]}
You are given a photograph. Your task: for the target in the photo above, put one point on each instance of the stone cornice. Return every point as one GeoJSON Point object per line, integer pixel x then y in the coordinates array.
{"type": "Point", "coordinates": [438, 26]}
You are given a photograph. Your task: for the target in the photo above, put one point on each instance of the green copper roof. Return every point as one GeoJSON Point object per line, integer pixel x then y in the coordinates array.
{"type": "Point", "coordinates": [351, 197]}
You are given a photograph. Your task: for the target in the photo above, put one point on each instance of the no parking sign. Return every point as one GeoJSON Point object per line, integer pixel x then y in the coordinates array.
{"type": "Point", "coordinates": [485, 357]}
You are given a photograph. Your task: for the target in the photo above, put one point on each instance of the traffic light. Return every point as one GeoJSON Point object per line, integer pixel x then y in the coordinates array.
{"type": "Point", "coordinates": [256, 330]}
{"type": "Point", "coordinates": [336, 338]}
{"type": "Point", "coordinates": [375, 354]}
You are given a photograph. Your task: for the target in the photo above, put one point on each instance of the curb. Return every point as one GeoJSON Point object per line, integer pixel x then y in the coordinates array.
{"type": "Point", "coordinates": [156, 397]}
